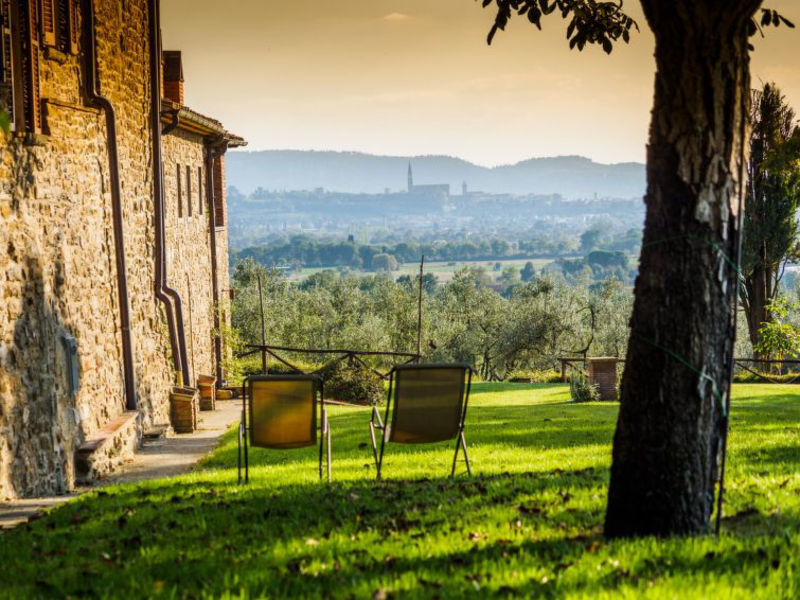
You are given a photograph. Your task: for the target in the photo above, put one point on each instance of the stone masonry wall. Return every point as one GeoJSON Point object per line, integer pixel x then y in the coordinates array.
{"type": "Point", "coordinates": [189, 243]}
{"type": "Point", "coordinates": [57, 264]}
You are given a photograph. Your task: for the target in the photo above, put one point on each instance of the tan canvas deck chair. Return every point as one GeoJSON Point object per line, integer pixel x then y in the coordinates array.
{"type": "Point", "coordinates": [280, 412]}
{"type": "Point", "coordinates": [428, 404]}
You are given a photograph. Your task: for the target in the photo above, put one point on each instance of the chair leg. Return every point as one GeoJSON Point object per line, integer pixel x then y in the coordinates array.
{"type": "Point", "coordinates": [466, 456]}
{"type": "Point", "coordinates": [374, 443]}
{"type": "Point", "coordinates": [246, 460]}
{"type": "Point", "coordinates": [328, 453]}
{"type": "Point", "coordinates": [239, 455]}
{"type": "Point", "coordinates": [380, 457]}
{"type": "Point", "coordinates": [321, 444]}
{"type": "Point", "coordinates": [455, 457]}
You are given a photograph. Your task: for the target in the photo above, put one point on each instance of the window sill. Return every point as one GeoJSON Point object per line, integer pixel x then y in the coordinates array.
{"type": "Point", "coordinates": [36, 139]}
{"type": "Point", "coordinates": [56, 55]}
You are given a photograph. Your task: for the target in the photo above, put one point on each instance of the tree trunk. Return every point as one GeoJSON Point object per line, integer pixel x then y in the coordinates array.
{"type": "Point", "coordinates": [759, 294]}
{"type": "Point", "coordinates": [678, 362]}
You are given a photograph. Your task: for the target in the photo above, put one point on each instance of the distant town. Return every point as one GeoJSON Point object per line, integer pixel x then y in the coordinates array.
{"type": "Point", "coordinates": [425, 210]}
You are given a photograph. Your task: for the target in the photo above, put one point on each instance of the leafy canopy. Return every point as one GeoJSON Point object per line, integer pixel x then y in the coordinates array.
{"type": "Point", "coordinates": [779, 337]}
{"type": "Point", "coordinates": [591, 22]}
{"type": "Point", "coordinates": [773, 191]}
{"type": "Point", "coordinates": [595, 22]}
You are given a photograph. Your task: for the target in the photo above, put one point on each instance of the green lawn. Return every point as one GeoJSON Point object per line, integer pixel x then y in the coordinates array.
{"type": "Point", "coordinates": [528, 524]}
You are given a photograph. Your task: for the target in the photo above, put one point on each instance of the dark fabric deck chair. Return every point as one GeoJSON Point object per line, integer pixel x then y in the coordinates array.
{"type": "Point", "coordinates": [428, 403]}
{"type": "Point", "coordinates": [280, 412]}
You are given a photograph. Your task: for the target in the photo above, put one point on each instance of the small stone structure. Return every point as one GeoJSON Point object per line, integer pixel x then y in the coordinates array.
{"type": "Point", "coordinates": [107, 449]}
{"type": "Point", "coordinates": [62, 380]}
{"type": "Point", "coordinates": [603, 373]}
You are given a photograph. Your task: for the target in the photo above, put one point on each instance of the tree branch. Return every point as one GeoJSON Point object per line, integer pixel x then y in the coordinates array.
{"type": "Point", "coordinates": [590, 21]}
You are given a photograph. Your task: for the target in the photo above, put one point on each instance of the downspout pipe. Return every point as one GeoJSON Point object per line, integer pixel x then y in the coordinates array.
{"type": "Point", "coordinates": [166, 295]}
{"type": "Point", "coordinates": [214, 149]}
{"type": "Point", "coordinates": [105, 105]}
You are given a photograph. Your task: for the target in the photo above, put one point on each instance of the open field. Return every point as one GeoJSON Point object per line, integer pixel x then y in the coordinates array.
{"type": "Point", "coordinates": [443, 270]}
{"type": "Point", "coordinates": [527, 524]}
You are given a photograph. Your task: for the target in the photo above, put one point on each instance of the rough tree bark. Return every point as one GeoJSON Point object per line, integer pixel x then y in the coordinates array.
{"type": "Point", "coordinates": [676, 375]}
{"type": "Point", "coordinates": [760, 287]}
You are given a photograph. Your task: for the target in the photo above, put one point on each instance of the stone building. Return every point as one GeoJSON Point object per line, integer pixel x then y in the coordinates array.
{"type": "Point", "coordinates": [113, 241]}
{"type": "Point", "coordinates": [439, 191]}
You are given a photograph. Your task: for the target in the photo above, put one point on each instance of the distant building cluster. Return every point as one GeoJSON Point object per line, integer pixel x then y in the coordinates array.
{"type": "Point", "coordinates": [434, 191]}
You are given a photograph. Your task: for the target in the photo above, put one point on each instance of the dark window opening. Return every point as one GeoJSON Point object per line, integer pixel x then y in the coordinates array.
{"type": "Point", "coordinates": [180, 192]}
{"type": "Point", "coordinates": [189, 190]}
{"type": "Point", "coordinates": [200, 190]}
{"type": "Point", "coordinates": [219, 191]}
{"type": "Point", "coordinates": [8, 57]}
{"type": "Point", "coordinates": [67, 26]}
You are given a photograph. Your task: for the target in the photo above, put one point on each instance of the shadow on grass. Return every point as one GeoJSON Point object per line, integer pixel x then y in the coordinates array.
{"type": "Point", "coordinates": [304, 540]}
{"type": "Point", "coordinates": [773, 459]}
{"type": "Point", "coordinates": [449, 537]}
{"type": "Point", "coordinates": [497, 535]}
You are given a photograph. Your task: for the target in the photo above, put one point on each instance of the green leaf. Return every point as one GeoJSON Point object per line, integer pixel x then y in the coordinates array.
{"type": "Point", "coordinates": [492, 33]}
{"type": "Point", "coordinates": [5, 122]}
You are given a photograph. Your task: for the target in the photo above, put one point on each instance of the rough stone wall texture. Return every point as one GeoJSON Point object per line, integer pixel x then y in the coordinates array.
{"type": "Point", "coordinates": [189, 245]}
{"type": "Point", "coordinates": [57, 267]}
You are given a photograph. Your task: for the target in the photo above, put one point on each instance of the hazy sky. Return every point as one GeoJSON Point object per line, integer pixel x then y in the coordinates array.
{"type": "Point", "coordinates": [416, 77]}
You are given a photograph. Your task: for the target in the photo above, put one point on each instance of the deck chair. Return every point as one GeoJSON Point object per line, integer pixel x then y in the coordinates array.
{"type": "Point", "coordinates": [428, 404]}
{"type": "Point", "coordinates": [280, 412]}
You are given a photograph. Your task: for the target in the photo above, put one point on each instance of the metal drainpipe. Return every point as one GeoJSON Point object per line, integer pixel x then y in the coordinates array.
{"type": "Point", "coordinates": [101, 102]}
{"type": "Point", "coordinates": [169, 297]}
{"type": "Point", "coordinates": [214, 150]}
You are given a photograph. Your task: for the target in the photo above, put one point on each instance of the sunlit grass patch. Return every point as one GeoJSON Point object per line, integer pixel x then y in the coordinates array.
{"type": "Point", "coordinates": [529, 523]}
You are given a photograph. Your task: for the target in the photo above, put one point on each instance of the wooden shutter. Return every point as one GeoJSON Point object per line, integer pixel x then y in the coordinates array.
{"type": "Point", "coordinates": [200, 190]}
{"type": "Point", "coordinates": [48, 22]}
{"type": "Point", "coordinates": [74, 31]}
{"type": "Point", "coordinates": [31, 90]}
{"type": "Point", "coordinates": [7, 88]}
{"type": "Point", "coordinates": [189, 190]}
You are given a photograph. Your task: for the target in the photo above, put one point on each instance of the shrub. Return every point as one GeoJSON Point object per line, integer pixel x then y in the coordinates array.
{"type": "Point", "coordinates": [533, 376]}
{"type": "Point", "coordinates": [278, 368]}
{"type": "Point", "coordinates": [251, 365]}
{"type": "Point", "coordinates": [748, 377]}
{"type": "Point", "coordinates": [348, 383]}
{"type": "Point", "coordinates": [581, 390]}
{"type": "Point", "coordinates": [352, 383]}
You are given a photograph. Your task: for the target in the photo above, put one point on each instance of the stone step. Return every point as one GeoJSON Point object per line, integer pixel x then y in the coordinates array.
{"type": "Point", "coordinates": [106, 450]}
{"type": "Point", "coordinates": [156, 432]}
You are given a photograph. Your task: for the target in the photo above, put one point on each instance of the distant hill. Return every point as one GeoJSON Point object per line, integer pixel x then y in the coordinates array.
{"type": "Point", "coordinates": [352, 172]}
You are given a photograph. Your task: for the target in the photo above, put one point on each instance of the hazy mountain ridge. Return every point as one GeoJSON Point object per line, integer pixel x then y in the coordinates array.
{"type": "Point", "coordinates": [354, 172]}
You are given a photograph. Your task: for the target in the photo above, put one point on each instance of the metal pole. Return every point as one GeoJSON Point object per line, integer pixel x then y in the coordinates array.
{"type": "Point", "coordinates": [263, 326]}
{"type": "Point", "coordinates": [419, 307]}
{"type": "Point", "coordinates": [191, 325]}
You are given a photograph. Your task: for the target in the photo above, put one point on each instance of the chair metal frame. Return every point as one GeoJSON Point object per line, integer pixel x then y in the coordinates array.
{"type": "Point", "coordinates": [245, 431]}
{"type": "Point", "coordinates": [376, 423]}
